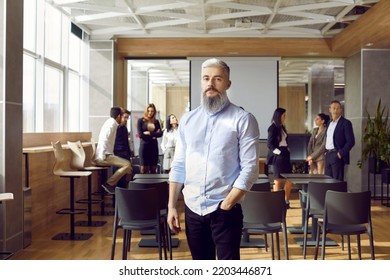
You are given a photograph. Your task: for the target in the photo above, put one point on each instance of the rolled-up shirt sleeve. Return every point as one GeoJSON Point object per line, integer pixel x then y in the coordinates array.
{"type": "Point", "coordinates": [249, 152]}
{"type": "Point", "coordinates": [178, 166]}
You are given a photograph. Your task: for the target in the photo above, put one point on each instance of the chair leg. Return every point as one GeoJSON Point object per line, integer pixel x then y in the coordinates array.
{"type": "Point", "coordinates": [159, 242]}
{"type": "Point", "coordinates": [125, 240]}
{"type": "Point", "coordinates": [266, 242]}
{"type": "Point", "coordinates": [349, 246]}
{"type": "Point", "coordinates": [305, 236]}
{"type": "Point", "coordinates": [113, 242]}
{"type": "Point", "coordinates": [277, 244]}
{"type": "Point", "coordinates": [371, 245]}
{"type": "Point", "coordinates": [114, 232]}
{"type": "Point", "coordinates": [317, 241]}
{"type": "Point", "coordinates": [359, 247]}
{"type": "Point", "coordinates": [342, 242]}
{"type": "Point", "coordinates": [285, 242]}
{"type": "Point", "coordinates": [272, 246]}
{"type": "Point", "coordinates": [323, 243]}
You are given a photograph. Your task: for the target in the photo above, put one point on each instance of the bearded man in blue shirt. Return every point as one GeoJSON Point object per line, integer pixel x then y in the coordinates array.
{"type": "Point", "coordinates": [216, 160]}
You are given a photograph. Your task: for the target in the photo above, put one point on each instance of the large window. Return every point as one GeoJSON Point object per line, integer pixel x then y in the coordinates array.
{"type": "Point", "coordinates": [53, 78]}
{"type": "Point", "coordinates": [52, 98]}
{"type": "Point", "coordinates": [28, 93]}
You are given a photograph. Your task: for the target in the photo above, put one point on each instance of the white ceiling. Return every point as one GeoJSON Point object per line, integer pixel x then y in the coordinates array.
{"type": "Point", "coordinates": [110, 19]}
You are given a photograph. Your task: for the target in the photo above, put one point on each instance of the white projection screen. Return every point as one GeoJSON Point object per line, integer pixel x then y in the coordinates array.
{"type": "Point", "coordinates": [254, 86]}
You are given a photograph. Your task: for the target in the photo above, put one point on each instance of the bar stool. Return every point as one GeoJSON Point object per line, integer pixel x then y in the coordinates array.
{"type": "Point", "coordinates": [71, 211]}
{"type": "Point", "coordinates": [77, 162]}
{"type": "Point", "coordinates": [4, 255]}
{"type": "Point", "coordinates": [104, 175]}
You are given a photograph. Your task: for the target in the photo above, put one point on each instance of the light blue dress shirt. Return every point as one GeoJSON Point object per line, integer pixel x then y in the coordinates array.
{"type": "Point", "coordinates": [215, 152]}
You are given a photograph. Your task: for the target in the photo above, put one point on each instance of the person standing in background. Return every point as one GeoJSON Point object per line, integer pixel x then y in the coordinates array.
{"type": "Point", "coordinates": [149, 129]}
{"type": "Point", "coordinates": [216, 161]}
{"type": "Point", "coordinates": [168, 142]}
{"type": "Point", "coordinates": [122, 147]}
{"type": "Point", "coordinates": [278, 153]}
{"type": "Point", "coordinates": [316, 145]}
{"type": "Point", "coordinates": [340, 139]}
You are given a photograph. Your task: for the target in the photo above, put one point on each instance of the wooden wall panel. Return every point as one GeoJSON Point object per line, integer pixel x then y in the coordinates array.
{"type": "Point", "coordinates": [292, 98]}
{"type": "Point", "coordinates": [177, 100]}
{"type": "Point", "coordinates": [231, 47]}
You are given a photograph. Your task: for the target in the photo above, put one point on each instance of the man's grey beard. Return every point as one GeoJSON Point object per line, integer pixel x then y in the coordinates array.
{"type": "Point", "coordinates": [213, 104]}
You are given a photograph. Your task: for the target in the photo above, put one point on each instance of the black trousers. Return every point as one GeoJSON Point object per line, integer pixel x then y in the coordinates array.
{"type": "Point", "coordinates": [334, 166]}
{"type": "Point", "coordinates": [218, 233]}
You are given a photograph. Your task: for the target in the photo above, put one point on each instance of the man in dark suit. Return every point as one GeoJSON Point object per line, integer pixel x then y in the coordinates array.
{"type": "Point", "coordinates": [339, 141]}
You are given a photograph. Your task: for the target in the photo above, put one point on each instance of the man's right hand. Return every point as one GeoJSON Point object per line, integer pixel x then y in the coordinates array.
{"type": "Point", "coordinates": [173, 220]}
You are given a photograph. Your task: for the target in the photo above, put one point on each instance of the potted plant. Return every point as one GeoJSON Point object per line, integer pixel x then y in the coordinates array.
{"type": "Point", "coordinates": [376, 140]}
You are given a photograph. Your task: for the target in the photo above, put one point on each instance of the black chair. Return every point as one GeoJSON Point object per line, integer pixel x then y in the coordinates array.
{"type": "Point", "coordinates": [346, 214]}
{"type": "Point", "coordinates": [164, 236]}
{"type": "Point", "coordinates": [136, 209]}
{"type": "Point", "coordinates": [315, 204]}
{"type": "Point", "coordinates": [266, 213]}
{"type": "Point", "coordinates": [260, 185]}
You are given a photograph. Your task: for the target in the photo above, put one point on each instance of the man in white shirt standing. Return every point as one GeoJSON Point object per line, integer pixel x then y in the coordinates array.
{"type": "Point", "coordinates": [339, 141]}
{"type": "Point", "coordinates": [105, 151]}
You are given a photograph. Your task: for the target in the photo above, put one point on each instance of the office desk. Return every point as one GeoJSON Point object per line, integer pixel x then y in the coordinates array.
{"type": "Point", "coordinates": [304, 180]}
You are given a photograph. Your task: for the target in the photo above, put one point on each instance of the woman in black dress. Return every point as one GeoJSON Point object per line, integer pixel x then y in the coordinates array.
{"type": "Point", "coordinates": [279, 153]}
{"type": "Point", "coordinates": [149, 130]}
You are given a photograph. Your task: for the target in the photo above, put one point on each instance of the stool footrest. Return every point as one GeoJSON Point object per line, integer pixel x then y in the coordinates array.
{"type": "Point", "coordinates": [89, 201]}
{"type": "Point", "coordinates": [105, 213]}
{"type": "Point", "coordinates": [70, 212]}
{"type": "Point", "coordinates": [90, 224]}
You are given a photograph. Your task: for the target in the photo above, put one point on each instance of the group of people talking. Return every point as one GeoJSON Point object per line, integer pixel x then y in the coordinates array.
{"type": "Point", "coordinates": [327, 150]}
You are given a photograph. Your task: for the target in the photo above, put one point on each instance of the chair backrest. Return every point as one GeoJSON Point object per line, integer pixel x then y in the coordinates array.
{"type": "Point", "coordinates": [78, 155]}
{"type": "Point", "coordinates": [264, 207]}
{"type": "Point", "coordinates": [264, 186]}
{"type": "Point", "coordinates": [59, 158]}
{"type": "Point", "coordinates": [160, 185]}
{"type": "Point", "coordinates": [343, 208]}
{"type": "Point", "coordinates": [137, 204]}
{"type": "Point", "coordinates": [93, 144]}
{"type": "Point", "coordinates": [316, 192]}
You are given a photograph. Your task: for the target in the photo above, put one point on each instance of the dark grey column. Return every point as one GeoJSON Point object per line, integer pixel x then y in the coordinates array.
{"type": "Point", "coordinates": [367, 80]}
{"type": "Point", "coordinates": [11, 120]}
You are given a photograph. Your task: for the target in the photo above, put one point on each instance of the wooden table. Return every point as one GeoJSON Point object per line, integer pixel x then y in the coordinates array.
{"type": "Point", "coordinates": [304, 180]}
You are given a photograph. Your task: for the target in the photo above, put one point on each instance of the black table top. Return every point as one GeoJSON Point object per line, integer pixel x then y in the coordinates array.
{"type": "Point", "coordinates": [151, 176]}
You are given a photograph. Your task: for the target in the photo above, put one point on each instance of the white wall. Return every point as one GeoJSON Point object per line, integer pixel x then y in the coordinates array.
{"type": "Point", "coordinates": [254, 86]}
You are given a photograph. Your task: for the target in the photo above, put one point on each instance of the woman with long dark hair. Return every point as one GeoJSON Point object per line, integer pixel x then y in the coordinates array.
{"type": "Point", "coordinates": [279, 153]}
{"type": "Point", "coordinates": [316, 145]}
{"type": "Point", "coordinates": [149, 130]}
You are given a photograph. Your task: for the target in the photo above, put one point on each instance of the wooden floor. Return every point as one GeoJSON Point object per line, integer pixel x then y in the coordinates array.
{"type": "Point", "coordinates": [98, 247]}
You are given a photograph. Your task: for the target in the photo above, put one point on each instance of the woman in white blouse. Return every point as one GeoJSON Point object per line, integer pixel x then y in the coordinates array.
{"type": "Point", "coordinates": [168, 142]}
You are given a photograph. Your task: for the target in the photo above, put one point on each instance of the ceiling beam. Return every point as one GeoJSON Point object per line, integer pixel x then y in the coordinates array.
{"type": "Point", "coordinates": [371, 28]}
